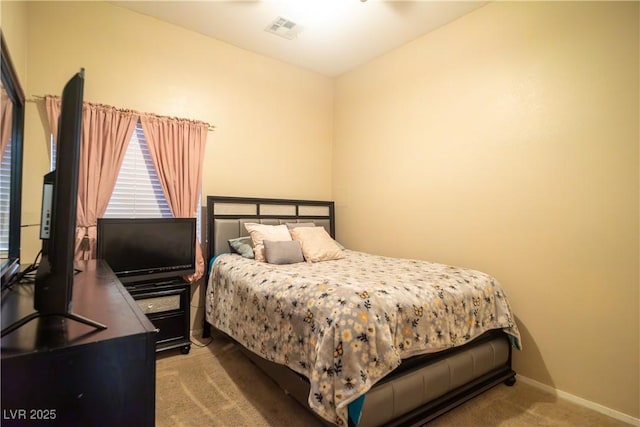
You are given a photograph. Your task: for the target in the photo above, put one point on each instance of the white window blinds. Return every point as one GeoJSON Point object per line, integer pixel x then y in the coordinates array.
{"type": "Point", "coordinates": [5, 195]}
{"type": "Point", "coordinates": [138, 193]}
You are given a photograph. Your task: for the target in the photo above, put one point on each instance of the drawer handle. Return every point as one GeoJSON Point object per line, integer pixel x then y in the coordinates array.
{"type": "Point", "coordinates": [150, 306]}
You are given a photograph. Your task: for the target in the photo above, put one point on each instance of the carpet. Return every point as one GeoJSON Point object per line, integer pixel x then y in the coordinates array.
{"type": "Point", "coordinates": [216, 385]}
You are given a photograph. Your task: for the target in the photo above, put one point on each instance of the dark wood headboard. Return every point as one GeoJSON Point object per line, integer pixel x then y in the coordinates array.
{"type": "Point", "coordinates": [228, 214]}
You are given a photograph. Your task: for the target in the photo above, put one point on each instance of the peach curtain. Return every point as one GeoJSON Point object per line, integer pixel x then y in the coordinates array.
{"type": "Point", "coordinates": [53, 106]}
{"type": "Point", "coordinates": [177, 150]}
{"type": "Point", "coordinates": [106, 132]}
{"type": "Point", "coordinates": [6, 121]}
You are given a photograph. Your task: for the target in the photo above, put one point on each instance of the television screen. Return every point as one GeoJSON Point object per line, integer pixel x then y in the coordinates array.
{"type": "Point", "coordinates": [143, 249]}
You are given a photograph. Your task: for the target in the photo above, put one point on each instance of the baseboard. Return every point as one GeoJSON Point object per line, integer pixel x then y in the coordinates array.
{"type": "Point", "coordinates": [580, 401]}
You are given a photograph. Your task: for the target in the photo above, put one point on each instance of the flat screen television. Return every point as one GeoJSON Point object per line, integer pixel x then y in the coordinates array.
{"type": "Point", "coordinates": [54, 277]}
{"type": "Point", "coordinates": [145, 249]}
{"type": "Point", "coordinates": [53, 288]}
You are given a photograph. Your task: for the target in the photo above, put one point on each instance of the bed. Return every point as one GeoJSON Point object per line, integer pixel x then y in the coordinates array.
{"type": "Point", "coordinates": [359, 339]}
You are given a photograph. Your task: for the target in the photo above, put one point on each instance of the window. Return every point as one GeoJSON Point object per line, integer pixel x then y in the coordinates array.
{"type": "Point", "coordinates": [5, 195]}
{"type": "Point", "coordinates": [138, 192]}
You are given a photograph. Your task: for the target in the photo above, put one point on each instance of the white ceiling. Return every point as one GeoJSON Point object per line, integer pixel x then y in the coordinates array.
{"type": "Point", "coordinates": [336, 36]}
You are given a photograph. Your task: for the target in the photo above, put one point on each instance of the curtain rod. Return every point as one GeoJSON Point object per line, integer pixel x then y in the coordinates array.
{"type": "Point", "coordinates": [36, 98]}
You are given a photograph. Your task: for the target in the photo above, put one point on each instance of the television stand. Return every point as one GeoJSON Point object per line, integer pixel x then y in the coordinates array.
{"type": "Point", "coordinates": [38, 314]}
{"type": "Point", "coordinates": [166, 303]}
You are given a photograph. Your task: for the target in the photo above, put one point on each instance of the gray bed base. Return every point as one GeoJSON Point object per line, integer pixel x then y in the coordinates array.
{"type": "Point", "coordinates": [423, 387]}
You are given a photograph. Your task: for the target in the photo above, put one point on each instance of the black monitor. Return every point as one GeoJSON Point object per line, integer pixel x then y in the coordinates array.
{"type": "Point", "coordinates": [145, 249]}
{"type": "Point", "coordinates": [53, 287]}
{"type": "Point", "coordinates": [54, 278]}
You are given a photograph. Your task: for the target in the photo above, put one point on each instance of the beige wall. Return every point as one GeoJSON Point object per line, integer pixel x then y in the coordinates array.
{"type": "Point", "coordinates": [13, 19]}
{"type": "Point", "coordinates": [273, 121]}
{"type": "Point", "coordinates": [507, 141]}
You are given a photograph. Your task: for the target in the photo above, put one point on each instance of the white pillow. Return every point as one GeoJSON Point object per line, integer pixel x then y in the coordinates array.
{"type": "Point", "coordinates": [261, 232]}
{"type": "Point", "coordinates": [316, 243]}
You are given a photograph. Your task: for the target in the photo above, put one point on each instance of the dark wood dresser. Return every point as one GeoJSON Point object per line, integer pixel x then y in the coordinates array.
{"type": "Point", "coordinates": [65, 373]}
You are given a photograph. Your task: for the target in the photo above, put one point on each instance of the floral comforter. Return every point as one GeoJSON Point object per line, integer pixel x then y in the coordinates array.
{"type": "Point", "coordinates": [347, 323]}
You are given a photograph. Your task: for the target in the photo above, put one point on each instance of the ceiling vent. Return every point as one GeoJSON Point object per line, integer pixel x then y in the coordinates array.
{"type": "Point", "coordinates": [284, 28]}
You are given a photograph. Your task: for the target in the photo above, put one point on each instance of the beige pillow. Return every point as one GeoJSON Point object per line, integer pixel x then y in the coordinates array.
{"type": "Point", "coordinates": [291, 225]}
{"type": "Point", "coordinates": [316, 243]}
{"type": "Point", "coordinates": [261, 232]}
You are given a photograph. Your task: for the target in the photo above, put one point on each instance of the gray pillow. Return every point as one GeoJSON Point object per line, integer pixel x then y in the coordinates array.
{"type": "Point", "coordinates": [283, 252]}
{"type": "Point", "coordinates": [242, 246]}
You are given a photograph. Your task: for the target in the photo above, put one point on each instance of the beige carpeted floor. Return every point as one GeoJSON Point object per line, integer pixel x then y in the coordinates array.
{"type": "Point", "coordinates": [217, 386]}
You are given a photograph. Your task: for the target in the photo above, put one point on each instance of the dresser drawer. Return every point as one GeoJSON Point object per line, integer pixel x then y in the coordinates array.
{"type": "Point", "coordinates": [166, 305]}
{"type": "Point", "coordinates": [170, 328]}
{"type": "Point", "coordinates": [159, 304]}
